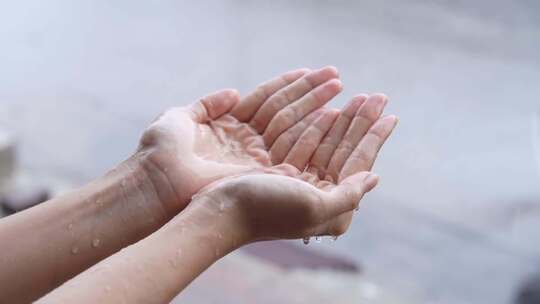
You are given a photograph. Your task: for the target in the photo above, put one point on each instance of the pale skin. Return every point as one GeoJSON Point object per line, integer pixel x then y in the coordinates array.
{"type": "Point", "coordinates": [271, 165]}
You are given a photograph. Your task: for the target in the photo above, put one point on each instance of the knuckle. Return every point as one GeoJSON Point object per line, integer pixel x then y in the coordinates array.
{"type": "Point", "coordinates": [279, 100]}
{"type": "Point", "coordinates": [286, 138]}
{"type": "Point", "coordinates": [286, 115]}
{"type": "Point", "coordinates": [346, 146]}
{"type": "Point", "coordinates": [361, 157]}
{"type": "Point", "coordinates": [307, 82]}
{"type": "Point", "coordinates": [256, 123]}
{"type": "Point", "coordinates": [307, 141]}
{"type": "Point", "coordinates": [368, 115]}
{"type": "Point", "coordinates": [261, 93]}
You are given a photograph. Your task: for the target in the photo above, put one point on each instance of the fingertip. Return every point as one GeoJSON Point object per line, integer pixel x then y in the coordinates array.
{"type": "Point", "coordinates": [389, 122]}
{"type": "Point", "coordinates": [359, 98]}
{"type": "Point", "coordinates": [335, 84]}
{"type": "Point", "coordinates": [334, 112]}
{"type": "Point", "coordinates": [371, 181]}
{"type": "Point", "coordinates": [353, 105]}
{"type": "Point", "coordinates": [303, 70]}
{"type": "Point", "coordinates": [328, 90]}
{"type": "Point", "coordinates": [331, 70]}
{"type": "Point", "coordinates": [218, 103]}
{"type": "Point", "coordinates": [393, 118]}
{"type": "Point", "coordinates": [230, 94]}
{"type": "Point", "coordinates": [295, 74]}
{"type": "Point", "coordinates": [380, 97]}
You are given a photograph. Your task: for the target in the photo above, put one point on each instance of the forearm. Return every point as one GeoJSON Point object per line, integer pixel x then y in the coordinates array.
{"type": "Point", "coordinates": [157, 268]}
{"type": "Point", "coordinates": [48, 244]}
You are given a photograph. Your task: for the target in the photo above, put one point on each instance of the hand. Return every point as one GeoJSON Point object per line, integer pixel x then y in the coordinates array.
{"type": "Point", "coordinates": [320, 183]}
{"type": "Point", "coordinates": [187, 148]}
{"type": "Point", "coordinates": [281, 203]}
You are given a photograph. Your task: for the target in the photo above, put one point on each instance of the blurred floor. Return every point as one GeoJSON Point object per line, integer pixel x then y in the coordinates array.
{"type": "Point", "coordinates": [455, 218]}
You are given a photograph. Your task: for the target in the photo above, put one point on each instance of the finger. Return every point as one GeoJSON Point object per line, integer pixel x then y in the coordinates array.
{"type": "Point", "coordinates": [286, 140]}
{"type": "Point", "coordinates": [290, 94]}
{"type": "Point", "coordinates": [338, 202]}
{"type": "Point", "coordinates": [324, 152]}
{"type": "Point", "coordinates": [295, 111]}
{"type": "Point", "coordinates": [348, 193]}
{"type": "Point", "coordinates": [214, 105]}
{"type": "Point", "coordinates": [364, 118]}
{"type": "Point", "coordinates": [303, 149]}
{"type": "Point", "coordinates": [249, 105]}
{"type": "Point", "coordinates": [364, 155]}
{"type": "Point", "coordinates": [344, 198]}
{"type": "Point", "coordinates": [284, 169]}
{"type": "Point", "coordinates": [308, 178]}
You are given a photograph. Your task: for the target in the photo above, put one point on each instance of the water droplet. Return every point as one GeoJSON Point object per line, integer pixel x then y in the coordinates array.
{"type": "Point", "coordinates": [306, 240]}
{"type": "Point", "coordinates": [318, 239]}
{"type": "Point", "coordinates": [217, 252]}
{"type": "Point", "coordinates": [107, 288]}
{"type": "Point", "coordinates": [70, 226]}
{"type": "Point", "coordinates": [334, 238]}
{"type": "Point", "coordinates": [221, 206]}
{"type": "Point", "coordinates": [179, 252]}
{"type": "Point", "coordinates": [173, 262]}
{"type": "Point", "coordinates": [98, 201]}
{"type": "Point", "coordinates": [166, 169]}
{"type": "Point", "coordinates": [96, 242]}
{"type": "Point", "coordinates": [219, 236]}
{"type": "Point", "coordinates": [75, 250]}
{"type": "Point", "coordinates": [123, 183]}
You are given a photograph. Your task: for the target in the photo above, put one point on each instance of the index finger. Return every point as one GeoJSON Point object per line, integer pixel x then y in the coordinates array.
{"type": "Point", "coordinates": [250, 104]}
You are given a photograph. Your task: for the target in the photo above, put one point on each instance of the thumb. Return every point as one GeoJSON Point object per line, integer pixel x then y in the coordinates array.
{"type": "Point", "coordinates": [214, 105]}
{"type": "Point", "coordinates": [349, 192]}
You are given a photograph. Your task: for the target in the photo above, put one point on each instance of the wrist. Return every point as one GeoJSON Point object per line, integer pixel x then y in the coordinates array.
{"type": "Point", "coordinates": [216, 216]}
{"type": "Point", "coordinates": [160, 176]}
{"type": "Point", "coordinates": [130, 184]}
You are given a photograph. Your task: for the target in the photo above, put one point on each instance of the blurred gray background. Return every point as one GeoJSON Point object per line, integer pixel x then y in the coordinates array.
{"type": "Point", "coordinates": [456, 217]}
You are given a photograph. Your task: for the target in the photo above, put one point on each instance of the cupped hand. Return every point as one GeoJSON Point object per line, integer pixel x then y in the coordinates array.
{"type": "Point", "coordinates": [283, 203]}
{"type": "Point", "coordinates": [189, 147]}
{"type": "Point", "coordinates": [323, 175]}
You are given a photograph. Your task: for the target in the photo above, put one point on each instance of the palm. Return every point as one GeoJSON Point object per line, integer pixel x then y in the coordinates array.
{"type": "Point", "coordinates": [228, 142]}
{"type": "Point", "coordinates": [322, 175]}
{"type": "Point", "coordinates": [328, 155]}
{"type": "Point", "coordinates": [222, 135]}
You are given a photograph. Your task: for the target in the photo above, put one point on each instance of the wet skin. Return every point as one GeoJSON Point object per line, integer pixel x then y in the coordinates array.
{"type": "Point", "coordinates": [274, 164]}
